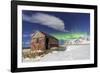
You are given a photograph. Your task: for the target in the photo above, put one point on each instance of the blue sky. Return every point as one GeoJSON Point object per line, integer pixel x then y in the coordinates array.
{"type": "Point", "coordinates": [53, 22]}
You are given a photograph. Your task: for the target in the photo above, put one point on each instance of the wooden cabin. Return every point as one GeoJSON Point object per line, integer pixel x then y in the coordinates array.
{"type": "Point", "coordinates": [41, 41]}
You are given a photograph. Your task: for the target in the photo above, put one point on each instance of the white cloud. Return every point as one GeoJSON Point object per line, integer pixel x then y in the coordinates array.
{"type": "Point", "coordinates": [47, 20]}
{"type": "Point", "coordinates": [26, 42]}
{"type": "Point", "coordinates": [25, 35]}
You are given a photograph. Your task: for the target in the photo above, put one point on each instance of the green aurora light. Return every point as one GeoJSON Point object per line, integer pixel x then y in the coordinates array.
{"type": "Point", "coordinates": [67, 36]}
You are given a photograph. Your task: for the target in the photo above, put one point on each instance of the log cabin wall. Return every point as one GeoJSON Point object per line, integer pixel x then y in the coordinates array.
{"type": "Point", "coordinates": [42, 41]}
{"type": "Point", "coordinates": [38, 43]}
{"type": "Point", "coordinates": [52, 42]}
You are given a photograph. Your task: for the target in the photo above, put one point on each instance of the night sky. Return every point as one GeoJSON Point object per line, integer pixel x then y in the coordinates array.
{"type": "Point", "coordinates": [73, 23]}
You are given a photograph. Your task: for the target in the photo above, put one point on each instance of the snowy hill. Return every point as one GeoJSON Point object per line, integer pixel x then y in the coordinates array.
{"type": "Point", "coordinates": [72, 52]}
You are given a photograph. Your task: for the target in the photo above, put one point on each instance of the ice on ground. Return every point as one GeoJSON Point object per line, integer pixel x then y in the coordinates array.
{"type": "Point", "coordinates": [72, 52]}
{"type": "Point", "coordinates": [55, 52]}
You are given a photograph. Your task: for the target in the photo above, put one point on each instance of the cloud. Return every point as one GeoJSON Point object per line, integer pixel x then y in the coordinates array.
{"type": "Point", "coordinates": [26, 42]}
{"type": "Point", "coordinates": [26, 35]}
{"type": "Point", "coordinates": [47, 20]}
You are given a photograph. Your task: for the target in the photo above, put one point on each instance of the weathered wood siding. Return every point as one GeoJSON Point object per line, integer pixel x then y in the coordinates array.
{"type": "Point", "coordinates": [52, 42]}
{"type": "Point", "coordinates": [41, 41]}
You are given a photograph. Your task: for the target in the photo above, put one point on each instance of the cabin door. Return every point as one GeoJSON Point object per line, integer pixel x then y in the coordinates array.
{"type": "Point", "coordinates": [47, 40]}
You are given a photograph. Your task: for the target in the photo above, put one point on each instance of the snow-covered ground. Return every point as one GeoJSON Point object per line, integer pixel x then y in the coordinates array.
{"type": "Point", "coordinates": [72, 52]}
